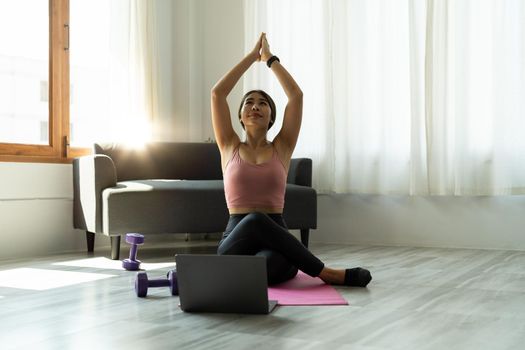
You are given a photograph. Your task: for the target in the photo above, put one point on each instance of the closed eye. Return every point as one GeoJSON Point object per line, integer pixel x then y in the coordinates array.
{"type": "Point", "coordinates": [251, 101]}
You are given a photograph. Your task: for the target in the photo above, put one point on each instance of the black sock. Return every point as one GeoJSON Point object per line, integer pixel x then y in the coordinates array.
{"type": "Point", "coordinates": [357, 277]}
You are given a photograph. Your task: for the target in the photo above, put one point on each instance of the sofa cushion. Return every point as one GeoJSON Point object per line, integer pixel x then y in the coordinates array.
{"type": "Point", "coordinates": [192, 206]}
{"type": "Point", "coordinates": [164, 206]}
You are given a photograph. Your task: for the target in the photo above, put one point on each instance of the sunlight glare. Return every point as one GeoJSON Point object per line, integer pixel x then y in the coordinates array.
{"type": "Point", "coordinates": [40, 279]}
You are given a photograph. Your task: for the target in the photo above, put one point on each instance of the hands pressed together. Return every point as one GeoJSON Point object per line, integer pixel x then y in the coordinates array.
{"type": "Point", "coordinates": [261, 51]}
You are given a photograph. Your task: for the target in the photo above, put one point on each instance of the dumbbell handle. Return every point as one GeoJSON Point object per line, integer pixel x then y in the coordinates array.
{"type": "Point", "coordinates": [158, 283]}
{"type": "Point", "coordinates": [133, 252]}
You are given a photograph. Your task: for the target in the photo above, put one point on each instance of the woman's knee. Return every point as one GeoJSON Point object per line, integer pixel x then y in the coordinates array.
{"type": "Point", "coordinates": [238, 245]}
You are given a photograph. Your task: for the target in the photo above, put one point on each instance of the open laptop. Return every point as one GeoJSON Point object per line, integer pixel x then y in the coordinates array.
{"type": "Point", "coordinates": [223, 283]}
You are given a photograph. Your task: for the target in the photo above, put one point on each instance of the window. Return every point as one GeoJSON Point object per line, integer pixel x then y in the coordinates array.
{"type": "Point", "coordinates": [24, 67]}
{"type": "Point", "coordinates": [34, 81]}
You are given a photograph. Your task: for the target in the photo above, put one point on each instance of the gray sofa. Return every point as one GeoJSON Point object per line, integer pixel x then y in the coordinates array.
{"type": "Point", "coordinates": [169, 187]}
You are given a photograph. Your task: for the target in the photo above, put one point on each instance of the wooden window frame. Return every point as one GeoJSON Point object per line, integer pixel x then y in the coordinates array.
{"type": "Point", "coordinates": [58, 149]}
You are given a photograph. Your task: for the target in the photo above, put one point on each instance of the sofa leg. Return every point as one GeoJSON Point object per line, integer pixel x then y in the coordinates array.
{"type": "Point", "coordinates": [115, 247]}
{"type": "Point", "coordinates": [90, 240]}
{"type": "Point", "coordinates": [304, 236]}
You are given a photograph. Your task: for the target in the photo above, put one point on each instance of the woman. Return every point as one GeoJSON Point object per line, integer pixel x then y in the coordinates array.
{"type": "Point", "coordinates": [255, 173]}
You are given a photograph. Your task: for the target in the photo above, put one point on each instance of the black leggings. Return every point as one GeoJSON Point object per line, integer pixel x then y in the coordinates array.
{"type": "Point", "coordinates": [267, 235]}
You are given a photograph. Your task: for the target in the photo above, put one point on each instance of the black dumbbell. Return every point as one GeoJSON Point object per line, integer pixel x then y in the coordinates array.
{"type": "Point", "coordinates": [135, 239]}
{"type": "Point", "coordinates": [142, 283]}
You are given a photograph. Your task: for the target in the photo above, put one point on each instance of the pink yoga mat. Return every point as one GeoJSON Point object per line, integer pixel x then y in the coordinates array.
{"type": "Point", "coordinates": [305, 290]}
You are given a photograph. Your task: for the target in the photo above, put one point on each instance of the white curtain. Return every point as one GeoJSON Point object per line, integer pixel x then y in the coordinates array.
{"type": "Point", "coordinates": [114, 70]}
{"type": "Point", "coordinates": [143, 67]}
{"type": "Point", "coordinates": [402, 96]}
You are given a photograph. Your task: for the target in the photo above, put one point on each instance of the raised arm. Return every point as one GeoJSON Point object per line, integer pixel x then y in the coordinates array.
{"type": "Point", "coordinates": [287, 137]}
{"type": "Point", "coordinates": [220, 112]}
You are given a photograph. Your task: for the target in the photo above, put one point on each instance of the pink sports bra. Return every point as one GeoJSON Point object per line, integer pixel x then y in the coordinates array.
{"type": "Point", "coordinates": [249, 185]}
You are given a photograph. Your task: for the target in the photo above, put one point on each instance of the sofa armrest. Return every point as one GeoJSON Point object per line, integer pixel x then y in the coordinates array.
{"type": "Point", "coordinates": [91, 175]}
{"type": "Point", "coordinates": [300, 172]}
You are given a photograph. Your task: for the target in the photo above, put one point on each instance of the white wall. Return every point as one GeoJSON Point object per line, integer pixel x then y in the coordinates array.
{"type": "Point", "coordinates": [440, 221]}
{"type": "Point", "coordinates": [36, 209]}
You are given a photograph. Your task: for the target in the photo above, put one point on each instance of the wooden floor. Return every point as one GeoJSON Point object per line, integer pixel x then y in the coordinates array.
{"type": "Point", "coordinates": [420, 298]}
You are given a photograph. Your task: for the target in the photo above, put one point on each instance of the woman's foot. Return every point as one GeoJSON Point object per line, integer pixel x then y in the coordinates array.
{"type": "Point", "coordinates": [356, 277]}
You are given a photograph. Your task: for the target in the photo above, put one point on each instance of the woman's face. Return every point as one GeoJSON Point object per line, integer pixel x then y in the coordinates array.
{"type": "Point", "coordinates": [256, 111]}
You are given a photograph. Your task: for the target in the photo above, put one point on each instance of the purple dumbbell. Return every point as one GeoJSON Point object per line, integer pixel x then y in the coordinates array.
{"type": "Point", "coordinates": [142, 283]}
{"type": "Point", "coordinates": [135, 239]}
